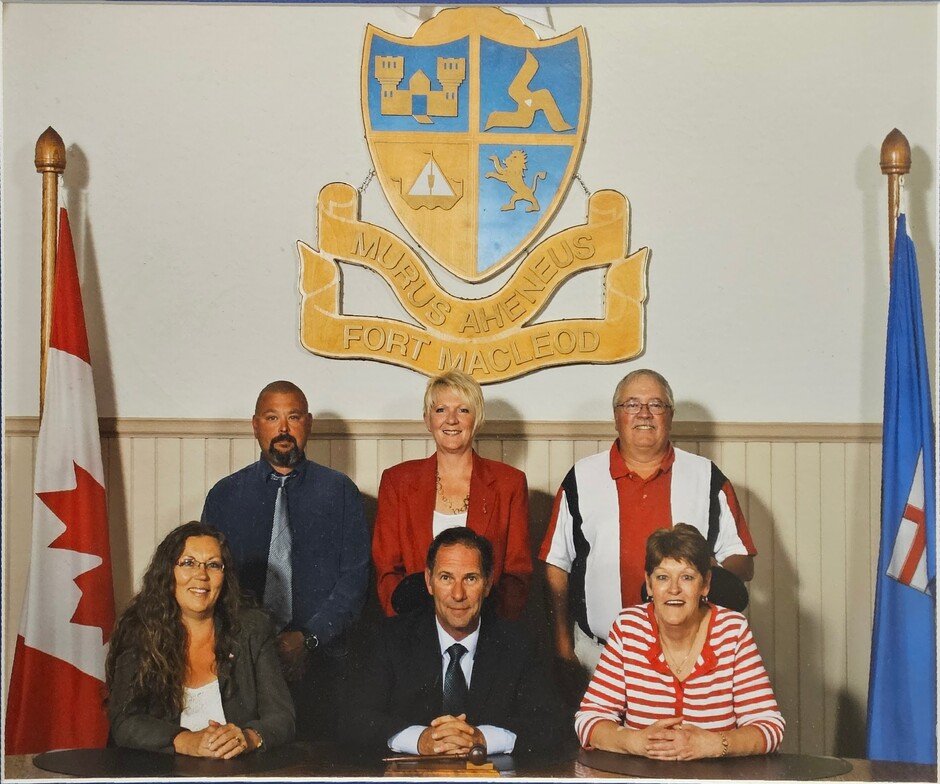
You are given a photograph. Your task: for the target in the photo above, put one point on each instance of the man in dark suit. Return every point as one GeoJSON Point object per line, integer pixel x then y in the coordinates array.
{"type": "Point", "coordinates": [418, 693]}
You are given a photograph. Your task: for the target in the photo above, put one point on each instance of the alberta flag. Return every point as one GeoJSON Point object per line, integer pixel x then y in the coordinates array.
{"type": "Point", "coordinates": [902, 705]}
{"type": "Point", "coordinates": [56, 687]}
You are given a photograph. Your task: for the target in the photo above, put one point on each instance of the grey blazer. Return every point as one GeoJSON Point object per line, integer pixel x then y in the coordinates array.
{"type": "Point", "coordinates": [260, 699]}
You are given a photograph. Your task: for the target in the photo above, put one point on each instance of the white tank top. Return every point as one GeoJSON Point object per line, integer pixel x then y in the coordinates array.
{"type": "Point", "coordinates": [443, 521]}
{"type": "Point", "coordinates": [200, 705]}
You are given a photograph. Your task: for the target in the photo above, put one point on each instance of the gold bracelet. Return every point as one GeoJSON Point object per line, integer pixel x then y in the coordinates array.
{"type": "Point", "coordinates": [260, 740]}
{"type": "Point", "coordinates": [724, 745]}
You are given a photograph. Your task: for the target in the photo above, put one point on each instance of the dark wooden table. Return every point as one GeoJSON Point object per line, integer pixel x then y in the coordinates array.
{"type": "Point", "coordinates": [321, 761]}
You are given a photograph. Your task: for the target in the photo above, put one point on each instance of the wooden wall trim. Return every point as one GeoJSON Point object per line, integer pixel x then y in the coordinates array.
{"type": "Point", "coordinates": [355, 429]}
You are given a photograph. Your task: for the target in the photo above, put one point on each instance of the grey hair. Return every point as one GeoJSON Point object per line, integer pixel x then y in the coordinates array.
{"type": "Point", "coordinates": [634, 374]}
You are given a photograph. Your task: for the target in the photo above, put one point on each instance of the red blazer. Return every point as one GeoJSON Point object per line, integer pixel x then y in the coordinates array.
{"type": "Point", "coordinates": [499, 510]}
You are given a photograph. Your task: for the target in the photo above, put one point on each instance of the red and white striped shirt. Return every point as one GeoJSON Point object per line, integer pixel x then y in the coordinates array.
{"type": "Point", "coordinates": [727, 688]}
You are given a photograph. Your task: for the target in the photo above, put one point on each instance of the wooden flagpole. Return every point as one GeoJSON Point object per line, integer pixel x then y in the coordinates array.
{"type": "Point", "coordinates": [895, 162]}
{"type": "Point", "coordinates": [50, 161]}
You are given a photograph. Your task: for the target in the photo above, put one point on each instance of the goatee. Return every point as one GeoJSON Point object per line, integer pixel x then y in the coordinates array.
{"type": "Point", "coordinates": [287, 459]}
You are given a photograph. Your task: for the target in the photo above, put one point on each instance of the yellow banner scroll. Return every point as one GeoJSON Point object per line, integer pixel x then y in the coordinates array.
{"type": "Point", "coordinates": [492, 338]}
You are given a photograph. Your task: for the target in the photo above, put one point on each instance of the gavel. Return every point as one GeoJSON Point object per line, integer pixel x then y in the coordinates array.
{"type": "Point", "coordinates": [475, 756]}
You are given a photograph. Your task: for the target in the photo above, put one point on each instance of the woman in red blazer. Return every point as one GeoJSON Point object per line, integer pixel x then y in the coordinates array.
{"type": "Point", "coordinates": [454, 486]}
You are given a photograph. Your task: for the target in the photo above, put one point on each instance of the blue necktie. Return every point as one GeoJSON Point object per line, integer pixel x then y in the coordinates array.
{"type": "Point", "coordinates": [278, 593]}
{"type": "Point", "coordinates": [455, 685]}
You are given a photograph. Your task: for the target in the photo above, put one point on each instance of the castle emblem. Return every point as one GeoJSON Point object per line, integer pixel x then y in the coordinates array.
{"type": "Point", "coordinates": [420, 100]}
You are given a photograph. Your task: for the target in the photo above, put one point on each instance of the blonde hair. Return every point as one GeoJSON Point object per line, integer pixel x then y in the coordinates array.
{"type": "Point", "coordinates": [464, 386]}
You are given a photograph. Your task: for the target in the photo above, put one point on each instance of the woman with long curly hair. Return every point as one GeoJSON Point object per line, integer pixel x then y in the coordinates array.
{"type": "Point", "coordinates": [191, 668]}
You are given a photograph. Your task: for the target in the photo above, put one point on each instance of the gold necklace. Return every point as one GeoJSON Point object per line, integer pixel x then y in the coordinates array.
{"type": "Point", "coordinates": [677, 668]}
{"type": "Point", "coordinates": [446, 500]}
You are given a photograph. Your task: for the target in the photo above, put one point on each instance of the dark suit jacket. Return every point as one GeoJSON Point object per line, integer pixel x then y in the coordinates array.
{"type": "Point", "coordinates": [399, 683]}
{"type": "Point", "coordinates": [260, 699]}
{"type": "Point", "coordinates": [499, 510]}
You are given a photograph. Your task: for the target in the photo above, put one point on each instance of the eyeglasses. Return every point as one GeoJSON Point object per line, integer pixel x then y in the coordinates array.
{"type": "Point", "coordinates": [190, 565]}
{"type": "Point", "coordinates": [655, 407]}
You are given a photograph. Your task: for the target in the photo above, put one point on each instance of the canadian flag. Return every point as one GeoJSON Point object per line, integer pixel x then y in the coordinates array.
{"type": "Point", "coordinates": [56, 689]}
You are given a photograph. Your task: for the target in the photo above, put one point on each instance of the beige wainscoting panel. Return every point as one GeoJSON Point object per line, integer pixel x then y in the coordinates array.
{"type": "Point", "coordinates": [860, 516]}
{"type": "Point", "coordinates": [811, 493]}
{"type": "Point", "coordinates": [780, 581]}
{"type": "Point", "coordinates": [833, 575]}
{"type": "Point", "coordinates": [808, 726]}
{"type": "Point", "coordinates": [18, 457]}
{"type": "Point", "coordinates": [755, 482]}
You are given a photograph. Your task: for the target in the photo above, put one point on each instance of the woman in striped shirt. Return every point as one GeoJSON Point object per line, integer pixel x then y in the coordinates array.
{"type": "Point", "coordinates": [680, 678]}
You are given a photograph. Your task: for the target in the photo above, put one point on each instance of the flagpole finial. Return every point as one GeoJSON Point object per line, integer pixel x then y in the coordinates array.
{"type": "Point", "coordinates": [50, 152]}
{"type": "Point", "coordinates": [895, 154]}
{"type": "Point", "coordinates": [895, 162]}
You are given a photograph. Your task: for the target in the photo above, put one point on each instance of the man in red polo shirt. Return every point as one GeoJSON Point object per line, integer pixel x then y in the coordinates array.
{"type": "Point", "coordinates": [609, 503]}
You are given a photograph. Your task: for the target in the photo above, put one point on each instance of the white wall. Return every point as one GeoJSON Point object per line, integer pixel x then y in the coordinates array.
{"type": "Point", "coordinates": [746, 137]}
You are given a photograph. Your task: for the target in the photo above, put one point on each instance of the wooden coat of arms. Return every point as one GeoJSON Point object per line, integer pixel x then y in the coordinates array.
{"type": "Point", "coordinates": [475, 127]}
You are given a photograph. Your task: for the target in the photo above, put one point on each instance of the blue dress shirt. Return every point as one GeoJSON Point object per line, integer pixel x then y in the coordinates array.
{"type": "Point", "coordinates": [331, 550]}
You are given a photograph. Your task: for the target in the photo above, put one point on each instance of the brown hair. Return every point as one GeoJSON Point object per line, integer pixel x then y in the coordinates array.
{"type": "Point", "coordinates": [682, 542]}
{"type": "Point", "coordinates": [468, 538]}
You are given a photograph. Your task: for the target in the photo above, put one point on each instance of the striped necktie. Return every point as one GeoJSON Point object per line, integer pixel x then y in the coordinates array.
{"type": "Point", "coordinates": [278, 592]}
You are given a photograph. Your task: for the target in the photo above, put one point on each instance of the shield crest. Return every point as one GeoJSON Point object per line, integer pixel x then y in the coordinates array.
{"type": "Point", "coordinates": [475, 127]}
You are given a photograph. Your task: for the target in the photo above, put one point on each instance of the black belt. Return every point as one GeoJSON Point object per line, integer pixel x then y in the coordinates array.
{"type": "Point", "coordinates": [598, 640]}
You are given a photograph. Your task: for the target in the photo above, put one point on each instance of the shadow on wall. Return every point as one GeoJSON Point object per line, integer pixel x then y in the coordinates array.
{"type": "Point", "coordinates": [851, 726]}
{"type": "Point", "coordinates": [333, 447]}
{"type": "Point", "coordinates": [372, 613]}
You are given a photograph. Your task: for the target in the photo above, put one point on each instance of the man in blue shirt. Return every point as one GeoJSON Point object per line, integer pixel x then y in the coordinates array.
{"type": "Point", "coordinates": [301, 546]}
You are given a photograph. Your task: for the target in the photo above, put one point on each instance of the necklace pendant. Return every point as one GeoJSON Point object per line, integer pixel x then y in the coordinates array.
{"type": "Point", "coordinates": [447, 501]}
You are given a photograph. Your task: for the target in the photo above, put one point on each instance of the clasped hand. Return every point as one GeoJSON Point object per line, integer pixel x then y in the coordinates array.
{"type": "Point", "coordinates": [221, 741]}
{"type": "Point", "coordinates": [450, 735]}
{"type": "Point", "coordinates": [670, 739]}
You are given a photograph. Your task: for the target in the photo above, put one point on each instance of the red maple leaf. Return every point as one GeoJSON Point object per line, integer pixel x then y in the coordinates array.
{"type": "Point", "coordinates": [83, 511]}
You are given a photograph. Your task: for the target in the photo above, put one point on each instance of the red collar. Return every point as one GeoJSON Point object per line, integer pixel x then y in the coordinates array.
{"type": "Point", "coordinates": [619, 468]}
